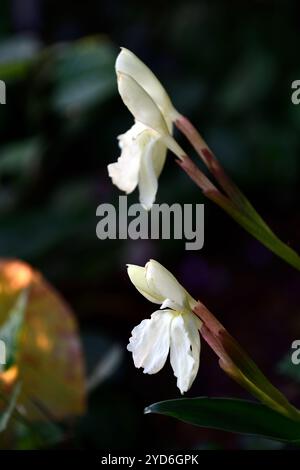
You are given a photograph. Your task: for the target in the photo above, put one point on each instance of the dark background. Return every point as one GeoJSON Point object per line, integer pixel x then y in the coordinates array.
{"type": "Point", "coordinates": [229, 66]}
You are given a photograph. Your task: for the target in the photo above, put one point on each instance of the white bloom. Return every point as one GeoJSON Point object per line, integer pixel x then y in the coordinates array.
{"type": "Point", "coordinates": [141, 105]}
{"type": "Point", "coordinates": [140, 164]}
{"type": "Point", "coordinates": [144, 146]}
{"type": "Point", "coordinates": [129, 64]}
{"type": "Point", "coordinates": [174, 328]}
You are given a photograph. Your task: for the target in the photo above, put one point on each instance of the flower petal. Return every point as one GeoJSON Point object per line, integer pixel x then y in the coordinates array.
{"type": "Point", "coordinates": [125, 172]}
{"type": "Point", "coordinates": [164, 285]}
{"type": "Point", "coordinates": [137, 275]}
{"type": "Point", "coordinates": [182, 357]}
{"type": "Point", "coordinates": [192, 325]}
{"type": "Point", "coordinates": [141, 105]}
{"type": "Point", "coordinates": [159, 155]}
{"type": "Point", "coordinates": [130, 64]}
{"type": "Point", "coordinates": [150, 342]}
{"type": "Point", "coordinates": [151, 166]}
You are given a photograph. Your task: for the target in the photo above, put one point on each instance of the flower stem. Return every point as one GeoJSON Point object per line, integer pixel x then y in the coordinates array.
{"type": "Point", "coordinates": [202, 149]}
{"type": "Point", "coordinates": [266, 237]}
{"type": "Point", "coordinates": [234, 202]}
{"type": "Point", "coordinates": [196, 175]}
{"type": "Point", "coordinates": [216, 169]}
{"type": "Point", "coordinates": [239, 365]}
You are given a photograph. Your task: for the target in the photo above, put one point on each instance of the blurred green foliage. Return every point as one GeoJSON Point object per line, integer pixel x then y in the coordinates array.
{"type": "Point", "coordinates": [229, 67]}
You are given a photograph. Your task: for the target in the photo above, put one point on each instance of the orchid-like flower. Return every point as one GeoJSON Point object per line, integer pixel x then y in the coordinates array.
{"type": "Point", "coordinates": [173, 328]}
{"type": "Point", "coordinates": [144, 146]}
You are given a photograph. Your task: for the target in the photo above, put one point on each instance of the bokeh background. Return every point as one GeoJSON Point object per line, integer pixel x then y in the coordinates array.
{"type": "Point", "coordinates": [229, 66]}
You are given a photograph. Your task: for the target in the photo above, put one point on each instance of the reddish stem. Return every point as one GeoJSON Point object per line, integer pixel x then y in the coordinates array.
{"type": "Point", "coordinates": [196, 174]}
{"type": "Point", "coordinates": [210, 160]}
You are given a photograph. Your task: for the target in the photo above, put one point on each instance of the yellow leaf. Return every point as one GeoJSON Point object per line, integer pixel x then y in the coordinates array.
{"type": "Point", "coordinates": [49, 362]}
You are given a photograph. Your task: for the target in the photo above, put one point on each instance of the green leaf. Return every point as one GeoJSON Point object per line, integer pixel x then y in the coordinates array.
{"type": "Point", "coordinates": [7, 413]}
{"type": "Point", "coordinates": [10, 330]}
{"type": "Point", "coordinates": [229, 414]}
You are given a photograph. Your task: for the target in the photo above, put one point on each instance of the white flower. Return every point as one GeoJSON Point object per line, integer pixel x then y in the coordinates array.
{"type": "Point", "coordinates": [140, 164]}
{"type": "Point", "coordinates": [129, 64]}
{"type": "Point", "coordinates": [144, 146]}
{"type": "Point", "coordinates": [174, 328]}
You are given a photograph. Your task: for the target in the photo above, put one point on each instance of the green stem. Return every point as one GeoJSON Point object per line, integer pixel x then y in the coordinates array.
{"type": "Point", "coordinates": [239, 365]}
{"type": "Point", "coordinates": [266, 237]}
{"type": "Point", "coordinates": [234, 203]}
